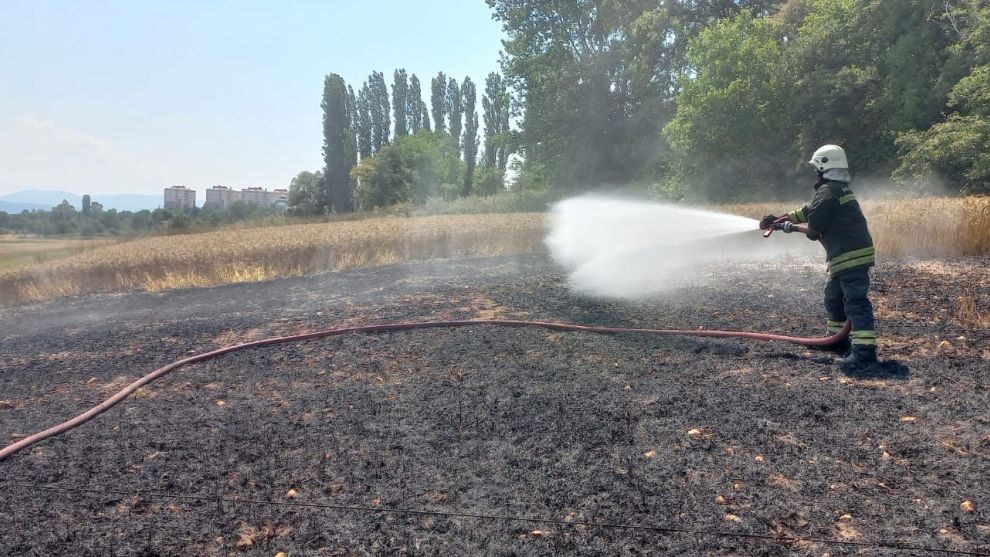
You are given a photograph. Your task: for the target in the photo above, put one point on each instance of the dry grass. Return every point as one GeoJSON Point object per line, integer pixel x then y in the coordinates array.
{"type": "Point", "coordinates": [968, 313]}
{"type": "Point", "coordinates": [247, 255]}
{"type": "Point", "coordinates": [921, 227]}
{"type": "Point", "coordinates": [932, 227]}
{"type": "Point", "coordinates": [17, 251]}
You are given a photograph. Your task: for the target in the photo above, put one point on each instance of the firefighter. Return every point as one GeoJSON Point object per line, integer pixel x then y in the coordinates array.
{"type": "Point", "coordinates": [834, 217]}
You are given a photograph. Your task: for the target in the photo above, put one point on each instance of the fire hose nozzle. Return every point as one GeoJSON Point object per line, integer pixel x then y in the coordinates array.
{"type": "Point", "coordinates": [783, 223]}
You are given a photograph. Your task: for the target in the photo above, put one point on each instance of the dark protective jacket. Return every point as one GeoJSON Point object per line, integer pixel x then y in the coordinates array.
{"type": "Point", "coordinates": [834, 216]}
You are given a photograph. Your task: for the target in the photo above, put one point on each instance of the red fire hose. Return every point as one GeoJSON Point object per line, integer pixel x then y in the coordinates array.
{"type": "Point", "coordinates": [128, 390]}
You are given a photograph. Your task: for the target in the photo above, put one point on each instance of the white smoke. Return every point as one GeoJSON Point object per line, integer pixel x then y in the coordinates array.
{"type": "Point", "coordinates": [623, 248]}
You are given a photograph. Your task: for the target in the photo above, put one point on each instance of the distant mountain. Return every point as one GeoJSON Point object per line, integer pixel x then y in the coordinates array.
{"type": "Point", "coordinates": [13, 207]}
{"type": "Point", "coordinates": [45, 199]}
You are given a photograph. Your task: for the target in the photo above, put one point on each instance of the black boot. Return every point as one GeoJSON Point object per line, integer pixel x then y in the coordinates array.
{"type": "Point", "coordinates": [861, 355]}
{"type": "Point", "coordinates": [841, 347]}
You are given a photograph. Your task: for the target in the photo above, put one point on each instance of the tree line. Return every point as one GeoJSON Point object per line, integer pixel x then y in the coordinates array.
{"type": "Point", "coordinates": [727, 100]}
{"type": "Point", "coordinates": [384, 147]}
{"type": "Point", "coordinates": [93, 220]}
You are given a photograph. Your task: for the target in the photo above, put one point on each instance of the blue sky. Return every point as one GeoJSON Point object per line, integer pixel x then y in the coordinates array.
{"type": "Point", "coordinates": [114, 97]}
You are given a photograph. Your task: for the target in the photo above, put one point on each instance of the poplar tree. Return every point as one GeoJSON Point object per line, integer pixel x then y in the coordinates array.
{"type": "Point", "coordinates": [414, 101]}
{"type": "Point", "coordinates": [352, 117]}
{"type": "Point", "coordinates": [438, 100]}
{"type": "Point", "coordinates": [502, 150]}
{"type": "Point", "coordinates": [455, 108]}
{"type": "Point", "coordinates": [351, 108]}
{"type": "Point", "coordinates": [425, 117]}
{"type": "Point", "coordinates": [380, 121]}
{"type": "Point", "coordinates": [400, 90]}
{"type": "Point", "coordinates": [338, 148]}
{"type": "Point", "coordinates": [470, 132]}
{"type": "Point", "coordinates": [496, 105]}
{"type": "Point", "coordinates": [364, 123]}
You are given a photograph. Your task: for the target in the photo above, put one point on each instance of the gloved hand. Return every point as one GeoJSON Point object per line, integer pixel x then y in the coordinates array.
{"type": "Point", "coordinates": [767, 221]}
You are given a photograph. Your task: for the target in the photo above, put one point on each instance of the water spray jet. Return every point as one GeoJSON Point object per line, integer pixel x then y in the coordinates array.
{"type": "Point", "coordinates": [631, 249]}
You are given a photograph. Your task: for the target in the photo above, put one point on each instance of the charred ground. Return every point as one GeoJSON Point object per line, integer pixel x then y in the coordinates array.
{"type": "Point", "coordinates": [717, 435]}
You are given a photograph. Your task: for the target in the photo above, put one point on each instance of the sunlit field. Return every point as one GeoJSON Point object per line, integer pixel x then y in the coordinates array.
{"type": "Point", "coordinates": [256, 254]}
{"type": "Point", "coordinates": [926, 228]}
{"type": "Point", "coordinates": [930, 227]}
{"type": "Point", "coordinates": [18, 251]}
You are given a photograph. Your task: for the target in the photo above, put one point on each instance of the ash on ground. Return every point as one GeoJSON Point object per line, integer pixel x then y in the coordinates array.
{"type": "Point", "coordinates": [715, 435]}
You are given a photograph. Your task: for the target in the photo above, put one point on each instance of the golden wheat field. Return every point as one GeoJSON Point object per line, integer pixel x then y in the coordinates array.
{"type": "Point", "coordinates": [927, 228]}
{"type": "Point", "coordinates": [16, 251]}
{"type": "Point", "coordinates": [255, 254]}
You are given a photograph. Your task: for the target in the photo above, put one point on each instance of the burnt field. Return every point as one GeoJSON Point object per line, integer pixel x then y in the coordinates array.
{"type": "Point", "coordinates": [309, 448]}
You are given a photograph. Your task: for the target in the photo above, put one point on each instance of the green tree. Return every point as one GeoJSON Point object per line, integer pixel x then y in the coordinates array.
{"type": "Point", "coordinates": [110, 219]}
{"type": "Point", "coordinates": [596, 81]}
{"type": "Point", "coordinates": [400, 93]}
{"type": "Point", "coordinates": [725, 132]}
{"type": "Point", "coordinates": [587, 115]}
{"type": "Point", "coordinates": [361, 172]}
{"type": "Point", "coordinates": [63, 218]}
{"type": "Point", "coordinates": [489, 181]}
{"type": "Point", "coordinates": [967, 23]}
{"type": "Point", "coordinates": [914, 56]}
{"type": "Point", "coordinates": [455, 109]}
{"type": "Point", "coordinates": [412, 168]}
{"type": "Point", "coordinates": [956, 150]}
{"type": "Point", "coordinates": [491, 104]}
{"type": "Point", "coordinates": [836, 85]}
{"type": "Point", "coordinates": [496, 105]}
{"type": "Point", "coordinates": [414, 105]}
{"type": "Point", "coordinates": [142, 220]}
{"type": "Point", "coordinates": [425, 116]}
{"type": "Point", "coordinates": [86, 201]}
{"type": "Point", "coordinates": [761, 94]}
{"type": "Point", "coordinates": [305, 192]}
{"type": "Point", "coordinates": [364, 122]}
{"type": "Point", "coordinates": [470, 141]}
{"type": "Point", "coordinates": [380, 120]}
{"type": "Point", "coordinates": [384, 179]}
{"type": "Point", "coordinates": [338, 148]}
{"type": "Point", "coordinates": [882, 71]}
{"type": "Point", "coordinates": [438, 99]}
{"type": "Point", "coordinates": [353, 121]}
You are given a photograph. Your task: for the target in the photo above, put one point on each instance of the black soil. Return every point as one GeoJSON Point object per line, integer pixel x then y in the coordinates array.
{"type": "Point", "coordinates": [706, 435]}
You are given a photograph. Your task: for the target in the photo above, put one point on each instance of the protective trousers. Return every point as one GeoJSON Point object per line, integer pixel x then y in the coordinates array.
{"type": "Point", "coordinates": [846, 298]}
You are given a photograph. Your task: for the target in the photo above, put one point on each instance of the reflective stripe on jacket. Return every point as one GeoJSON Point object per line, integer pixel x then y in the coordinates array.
{"type": "Point", "coordinates": [835, 217]}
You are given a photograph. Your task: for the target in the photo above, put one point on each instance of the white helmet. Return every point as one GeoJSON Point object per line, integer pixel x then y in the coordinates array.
{"type": "Point", "coordinates": [828, 157]}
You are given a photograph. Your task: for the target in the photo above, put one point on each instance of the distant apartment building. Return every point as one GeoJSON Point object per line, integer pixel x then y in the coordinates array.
{"type": "Point", "coordinates": [221, 197]}
{"type": "Point", "coordinates": [255, 196]}
{"type": "Point", "coordinates": [180, 198]}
